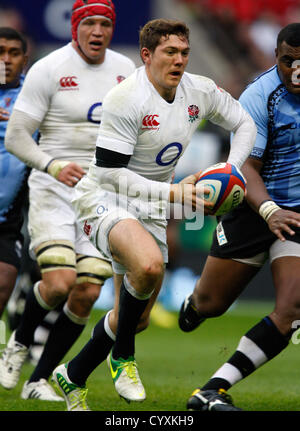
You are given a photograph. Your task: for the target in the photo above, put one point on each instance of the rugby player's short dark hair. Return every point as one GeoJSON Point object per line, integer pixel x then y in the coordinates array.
{"type": "Point", "coordinates": [289, 34]}
{"type": "Point", "coordinates": [151, 33]}
{"type": "Point", "coordinates": [12, 34]}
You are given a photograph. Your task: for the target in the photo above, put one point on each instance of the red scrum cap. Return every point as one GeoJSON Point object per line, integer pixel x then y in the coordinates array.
{"type": "Point", "coordinates": [85, 8]}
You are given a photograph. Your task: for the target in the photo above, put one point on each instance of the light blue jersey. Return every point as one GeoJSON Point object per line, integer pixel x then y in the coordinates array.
{"type": "Point", "coordinates": [276, 113]}
{"type": "Point", "coordinates": [13, 172]}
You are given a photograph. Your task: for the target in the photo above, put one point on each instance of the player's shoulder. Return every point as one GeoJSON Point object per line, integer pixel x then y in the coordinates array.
{"type": "Point", "coordinates": [54, 59]}
{"type": "Point", "coordinates": [131, 92]}
{"type": "Point", "coordinates": [263, 85]}
{"type": "Point", "coordinates": [191, 81]}
{"type": "Point", "coordinates": [117, 57]}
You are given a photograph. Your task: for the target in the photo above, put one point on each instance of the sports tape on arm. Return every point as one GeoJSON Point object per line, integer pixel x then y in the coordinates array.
{"type": "Point", "coordinates": [268, 208]}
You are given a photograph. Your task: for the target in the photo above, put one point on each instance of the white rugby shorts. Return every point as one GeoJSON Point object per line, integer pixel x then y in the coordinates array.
{"type": "Point", "coordinates": [52, 217]}
{"type": "Point", "coordinates": [98, 211]}
{"type": "Point", "coordinates": [278, 249]}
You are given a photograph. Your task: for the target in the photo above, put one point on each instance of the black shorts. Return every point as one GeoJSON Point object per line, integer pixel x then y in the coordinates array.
{"type": "Point", "coordinates": [243, 233]}
{"type": "Point", "coordinates": [11, 242]}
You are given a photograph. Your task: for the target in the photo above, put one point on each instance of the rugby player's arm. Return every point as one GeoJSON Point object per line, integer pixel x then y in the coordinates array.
{"type": "Point", "coordinates": [228, 113]}
{"type": "Point", "coordinates": [279, 220]}
{"type": "Point", "coordinates": [19, 141]}
{"type": "Point", "coordinates": [112, 171]}
{"type": "Point", "coordinates": [256, 189]}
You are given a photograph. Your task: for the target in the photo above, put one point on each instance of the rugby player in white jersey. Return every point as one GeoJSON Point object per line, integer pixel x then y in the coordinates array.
{"type": "Point", "coordinates": [62, 97]}
{"type": "Point", "coordinates": [148, 121]}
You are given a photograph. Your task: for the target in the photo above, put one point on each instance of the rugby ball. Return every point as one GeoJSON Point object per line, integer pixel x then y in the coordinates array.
{"type": "Point", "coordinates": [226, 186]}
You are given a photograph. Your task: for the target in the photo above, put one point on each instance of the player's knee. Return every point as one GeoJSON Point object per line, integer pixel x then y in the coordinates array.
{"type": "Point", "coordinates": [59, 287]}
{"type": "Point", "coordinates": [210, 306]}
{"type": "Point", "coordinates": [152, 270]}
{"type": "Point", "coordinates": [86, 294]}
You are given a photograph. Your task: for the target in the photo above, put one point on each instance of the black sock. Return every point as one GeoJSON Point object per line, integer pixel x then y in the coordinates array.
{"type": "Point", "coordinates": [92, 354]}
{"type": "Point", "coordinates": [62, 336]}
{"type": "Point", "coordinates": [258, 346]}
{"type": "Point", "coordinates": [130, 310]}
{"type": "Point", "coordinates": [32, 316]}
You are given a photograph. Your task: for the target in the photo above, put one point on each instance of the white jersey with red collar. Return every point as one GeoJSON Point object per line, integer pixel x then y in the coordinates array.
{"type": "Point", "coordinates": [137, 121]}
{"type": "Point", "coordinates": [65, 93]}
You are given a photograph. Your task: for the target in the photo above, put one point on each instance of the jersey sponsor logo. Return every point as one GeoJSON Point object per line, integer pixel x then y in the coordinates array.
{"type": "Point", "coordinates": [87, 228]}
{"type": "Point", "coordinates": [193, 111]}
{"type": "Point", "coordinates": [150, 122]}
{"type": "Point", "coordinates": [68, 83]}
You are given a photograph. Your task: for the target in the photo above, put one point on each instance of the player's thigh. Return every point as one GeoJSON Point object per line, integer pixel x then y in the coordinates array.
{"type": "Point", "coordinates": [51, 216]}
{"type": "Point", "coordinates": [92, 270]}
{"type": "Point", "coordinates": [11, 248]}
{"type": "Point", "coordinates": [134, 247]}
{"type": "Point", "coordinates": [285, 266]}
{"type": "Point", "coordinates": [10, 262]}
{"type": "Point", "coordinates": [8, 274]}
{"type": "Point", "coordinates": [7, 281]}
{"type": "Point", "coordinates": [222, 281]}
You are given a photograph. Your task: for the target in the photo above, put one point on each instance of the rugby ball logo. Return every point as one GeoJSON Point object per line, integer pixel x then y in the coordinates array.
{"type": "Point", "coordinates": [226, 186]}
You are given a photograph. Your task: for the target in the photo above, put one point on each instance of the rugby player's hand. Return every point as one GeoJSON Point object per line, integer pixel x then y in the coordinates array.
{"type": "Point", "coordinates": [4, 115]}
{"type": "Point", "coordinates": [66, 172]}
{"type": "Point", "coordinates": [186, 193]}
{"type": "Point", "coordinates": [283, 221]}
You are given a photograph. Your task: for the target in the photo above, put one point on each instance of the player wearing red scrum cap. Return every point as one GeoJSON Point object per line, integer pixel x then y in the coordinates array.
{"type": "Point", "coordinates": [62, 97]}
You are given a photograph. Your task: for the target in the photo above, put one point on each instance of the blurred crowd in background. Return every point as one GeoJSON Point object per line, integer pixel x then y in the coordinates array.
{"type": "Point", "coordinates": [246, 32]}
{"type": "Point", "coordinates": [242, 32]}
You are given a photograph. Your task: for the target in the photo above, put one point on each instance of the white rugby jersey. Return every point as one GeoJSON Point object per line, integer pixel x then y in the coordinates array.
{"type": "Point", "coordinates": [137, 121]}
{"type": "Point", "coordinates": [65, 93]}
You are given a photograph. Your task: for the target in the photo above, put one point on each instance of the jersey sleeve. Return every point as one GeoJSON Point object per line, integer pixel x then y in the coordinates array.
{"type": "Point", "coordinates": [35, 95]}
{"type": "Point", "coordinates": [227, 112]}
{"type": "Point", "coordinates": [119, 125]}
{"type": "Point", "coordinates": [253, 102]}
{"type": "Point", "coordinates": [222, 109]}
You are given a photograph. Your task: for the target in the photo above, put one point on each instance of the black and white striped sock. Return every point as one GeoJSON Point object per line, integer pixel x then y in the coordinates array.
{"type": "Point", "coordinates": [258, 346]}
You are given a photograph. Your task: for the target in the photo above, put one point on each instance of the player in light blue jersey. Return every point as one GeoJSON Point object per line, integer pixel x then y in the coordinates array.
{"type": "Point", "coordinates": [277, 116]}
{"type": "Point", "coordinates": [13, 172]}
{"type": "Point", "coordinates": [267, 225]}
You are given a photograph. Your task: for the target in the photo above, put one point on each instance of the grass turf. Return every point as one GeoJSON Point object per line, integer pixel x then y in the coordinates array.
{"type": "Point", "coordinates": [172, 364]}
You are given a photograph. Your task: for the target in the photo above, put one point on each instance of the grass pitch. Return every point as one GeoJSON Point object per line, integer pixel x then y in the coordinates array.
{"type": "Point", "coordinates": [172, 364]}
